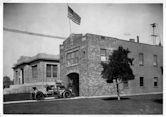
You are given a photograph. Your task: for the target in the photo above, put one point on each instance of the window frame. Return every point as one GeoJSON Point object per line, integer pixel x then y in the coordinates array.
{"type": "Point", "coordinates": [48, 71]}
{"type": "Point", "coordinates": [155, 60]}
{"type": "Point", "coordinates": [155, 80]}
{"type": "Point", "coordinates": [52, 73]}
{"type": "Point", "coordinates": [141, 81]}
{"type": "Point", "coordinates": [72, 58]}
{"type": "Point", "coordinates": [103, 56]}
{"type": "Point", "coordinates": [125, 84]}
{"type": "Point", "coordinates": [34, 71]}
{"type": "Point", "coordinates": [141, 59]}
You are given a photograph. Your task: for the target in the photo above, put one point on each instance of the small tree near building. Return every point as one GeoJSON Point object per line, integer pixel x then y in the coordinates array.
{"type": "Point", "coordinates": [118, 68]}
{"type": "Point", "coordinates": [7, 82]}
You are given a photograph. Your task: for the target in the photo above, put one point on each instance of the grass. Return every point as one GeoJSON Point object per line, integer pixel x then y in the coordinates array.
{"type": "Point", "coordinates": [147, 104]}
{"type": "Point", "coordinates": [16, 97]}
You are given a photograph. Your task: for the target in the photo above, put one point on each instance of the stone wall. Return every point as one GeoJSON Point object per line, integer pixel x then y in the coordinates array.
{"type": "Point", "coordinates": [89, 69]}
{"type": "Point", "coordinates": [148, 71]}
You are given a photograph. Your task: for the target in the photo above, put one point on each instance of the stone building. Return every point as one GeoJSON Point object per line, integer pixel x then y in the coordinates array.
{"type": "Point", "coordinates": [39, 69]}
{"type": "Point", "coordinates": [81, 55]}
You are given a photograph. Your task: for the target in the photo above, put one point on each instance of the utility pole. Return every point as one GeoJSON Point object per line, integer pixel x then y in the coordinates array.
{"type": "Point", "coordinates": [153, 33]}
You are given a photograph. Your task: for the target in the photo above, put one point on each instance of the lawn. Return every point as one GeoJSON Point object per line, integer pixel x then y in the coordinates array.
{"type": "Point", "coordinates": [149, 104]}
{"type": "Point", "coordinates": [17, 97]}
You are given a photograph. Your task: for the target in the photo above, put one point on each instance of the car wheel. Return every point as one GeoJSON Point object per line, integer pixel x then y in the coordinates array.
{"type": "Point", "coordinates": [67, 94]}
{"type": "Point", "coordinates": [39, 95]}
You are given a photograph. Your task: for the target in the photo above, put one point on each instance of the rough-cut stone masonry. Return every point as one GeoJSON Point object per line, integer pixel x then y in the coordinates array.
{"type": "Point", "coordinates": [89, 68]}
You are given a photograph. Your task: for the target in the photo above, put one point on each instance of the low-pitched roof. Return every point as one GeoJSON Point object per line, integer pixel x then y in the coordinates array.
{"type": "Point", "coordinates": [40, 56]}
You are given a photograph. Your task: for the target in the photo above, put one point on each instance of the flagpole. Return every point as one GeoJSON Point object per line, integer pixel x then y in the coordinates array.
{"type": "Point", "coordinates": [69, 21]}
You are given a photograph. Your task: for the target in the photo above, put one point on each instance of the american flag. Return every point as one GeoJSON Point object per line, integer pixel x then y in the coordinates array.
{"type": "Point", "coordinates": [74, 16]}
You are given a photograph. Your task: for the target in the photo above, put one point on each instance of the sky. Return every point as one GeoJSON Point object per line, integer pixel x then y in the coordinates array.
{"type": "Point", "coordinates": [123, 21]}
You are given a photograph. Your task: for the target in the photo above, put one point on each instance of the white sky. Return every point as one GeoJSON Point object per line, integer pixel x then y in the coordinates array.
{"type": "Point", "coordinates": [122, 21]}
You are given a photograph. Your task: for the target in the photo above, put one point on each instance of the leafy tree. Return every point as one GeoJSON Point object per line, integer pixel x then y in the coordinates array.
{"type": "Point", "coordinates": [118, 67]}
{"type": "Point", "coordinates": [7, 82]}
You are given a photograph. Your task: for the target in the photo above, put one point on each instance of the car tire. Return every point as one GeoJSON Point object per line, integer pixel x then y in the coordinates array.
{"type": "Point", "coordinates": [67, 94]}
{"type": "Point", "coordinates": [39, 95]}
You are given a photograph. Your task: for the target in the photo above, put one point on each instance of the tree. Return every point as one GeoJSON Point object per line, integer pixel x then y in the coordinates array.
{"type": "Point", "coordinates": [7, 82]}
{"type": "Point", "coordinates": [118, 67]}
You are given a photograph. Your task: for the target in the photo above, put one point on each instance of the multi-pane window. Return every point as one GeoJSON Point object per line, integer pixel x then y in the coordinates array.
{"type": "Point", "coordinates": [125, 84]}
{"type": "Point", "coordinates": [72, 58]}
{"type": "Point", "coordinates": [34, 71]}
{"type": "Point", "coordinates": [17, 76]}
{"type": "Point", "coordinates": [54, 68]}
{"type": "Point", "coordinates": [103, 54]}
{"type": "Point", "coordinates": [155, 81]}
{"type": "Point", "coordinates": [51, 70]}
{"type": "Point", "coordinates": [141, 81]}
{"type": "Point", "coordinates": [141, 59]}
{"type": "Point", "coordinates": [154, 60]}
{"type": "Point", "coordinates": [48, 70]}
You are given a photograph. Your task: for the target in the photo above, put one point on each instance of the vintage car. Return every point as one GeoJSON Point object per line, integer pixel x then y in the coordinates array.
{"type": "Point", "coordinates": [56, 91]}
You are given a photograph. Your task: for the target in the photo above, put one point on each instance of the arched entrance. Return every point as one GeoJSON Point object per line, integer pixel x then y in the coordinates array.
{"type": "Point", "coordinates": [73, 79]}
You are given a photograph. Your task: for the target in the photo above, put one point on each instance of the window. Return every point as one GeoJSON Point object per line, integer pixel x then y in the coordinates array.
{"type": "Point", "coordinates": [141, 59]}
{"type": "Point", "coordinates": [72, 58]}
{"type": "Point", "coordinates": [125, 84]}
{"type": "Point", "coordinates": [103, 54]}
{"type": "Point", "coordinates": [48, 70]}
{"type": "Point", "coordinates": [111, 50]}
{"type": "Point", "coordinates": [51, 70]}
{"type": "Point", "coordinates": [54, 67]}
{"type": "Point", "coordinates": [154, 60]}
{"type": "Point", "coordinates": [102, 37]}
{"type": "Point", "coordinates": [22, 75]}
{"type": "Point", "coordinates": [84, 38]}
{"type": "Point", "coordinates": [141, 81]}
{"type": "Point", "coordinates": [34, 71]}
{"type": "Point", "coordinates": [155, 81]}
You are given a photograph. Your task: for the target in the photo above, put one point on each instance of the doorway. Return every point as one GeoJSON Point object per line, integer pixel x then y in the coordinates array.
{"type": "Point", "coordinates": [73, 80]}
